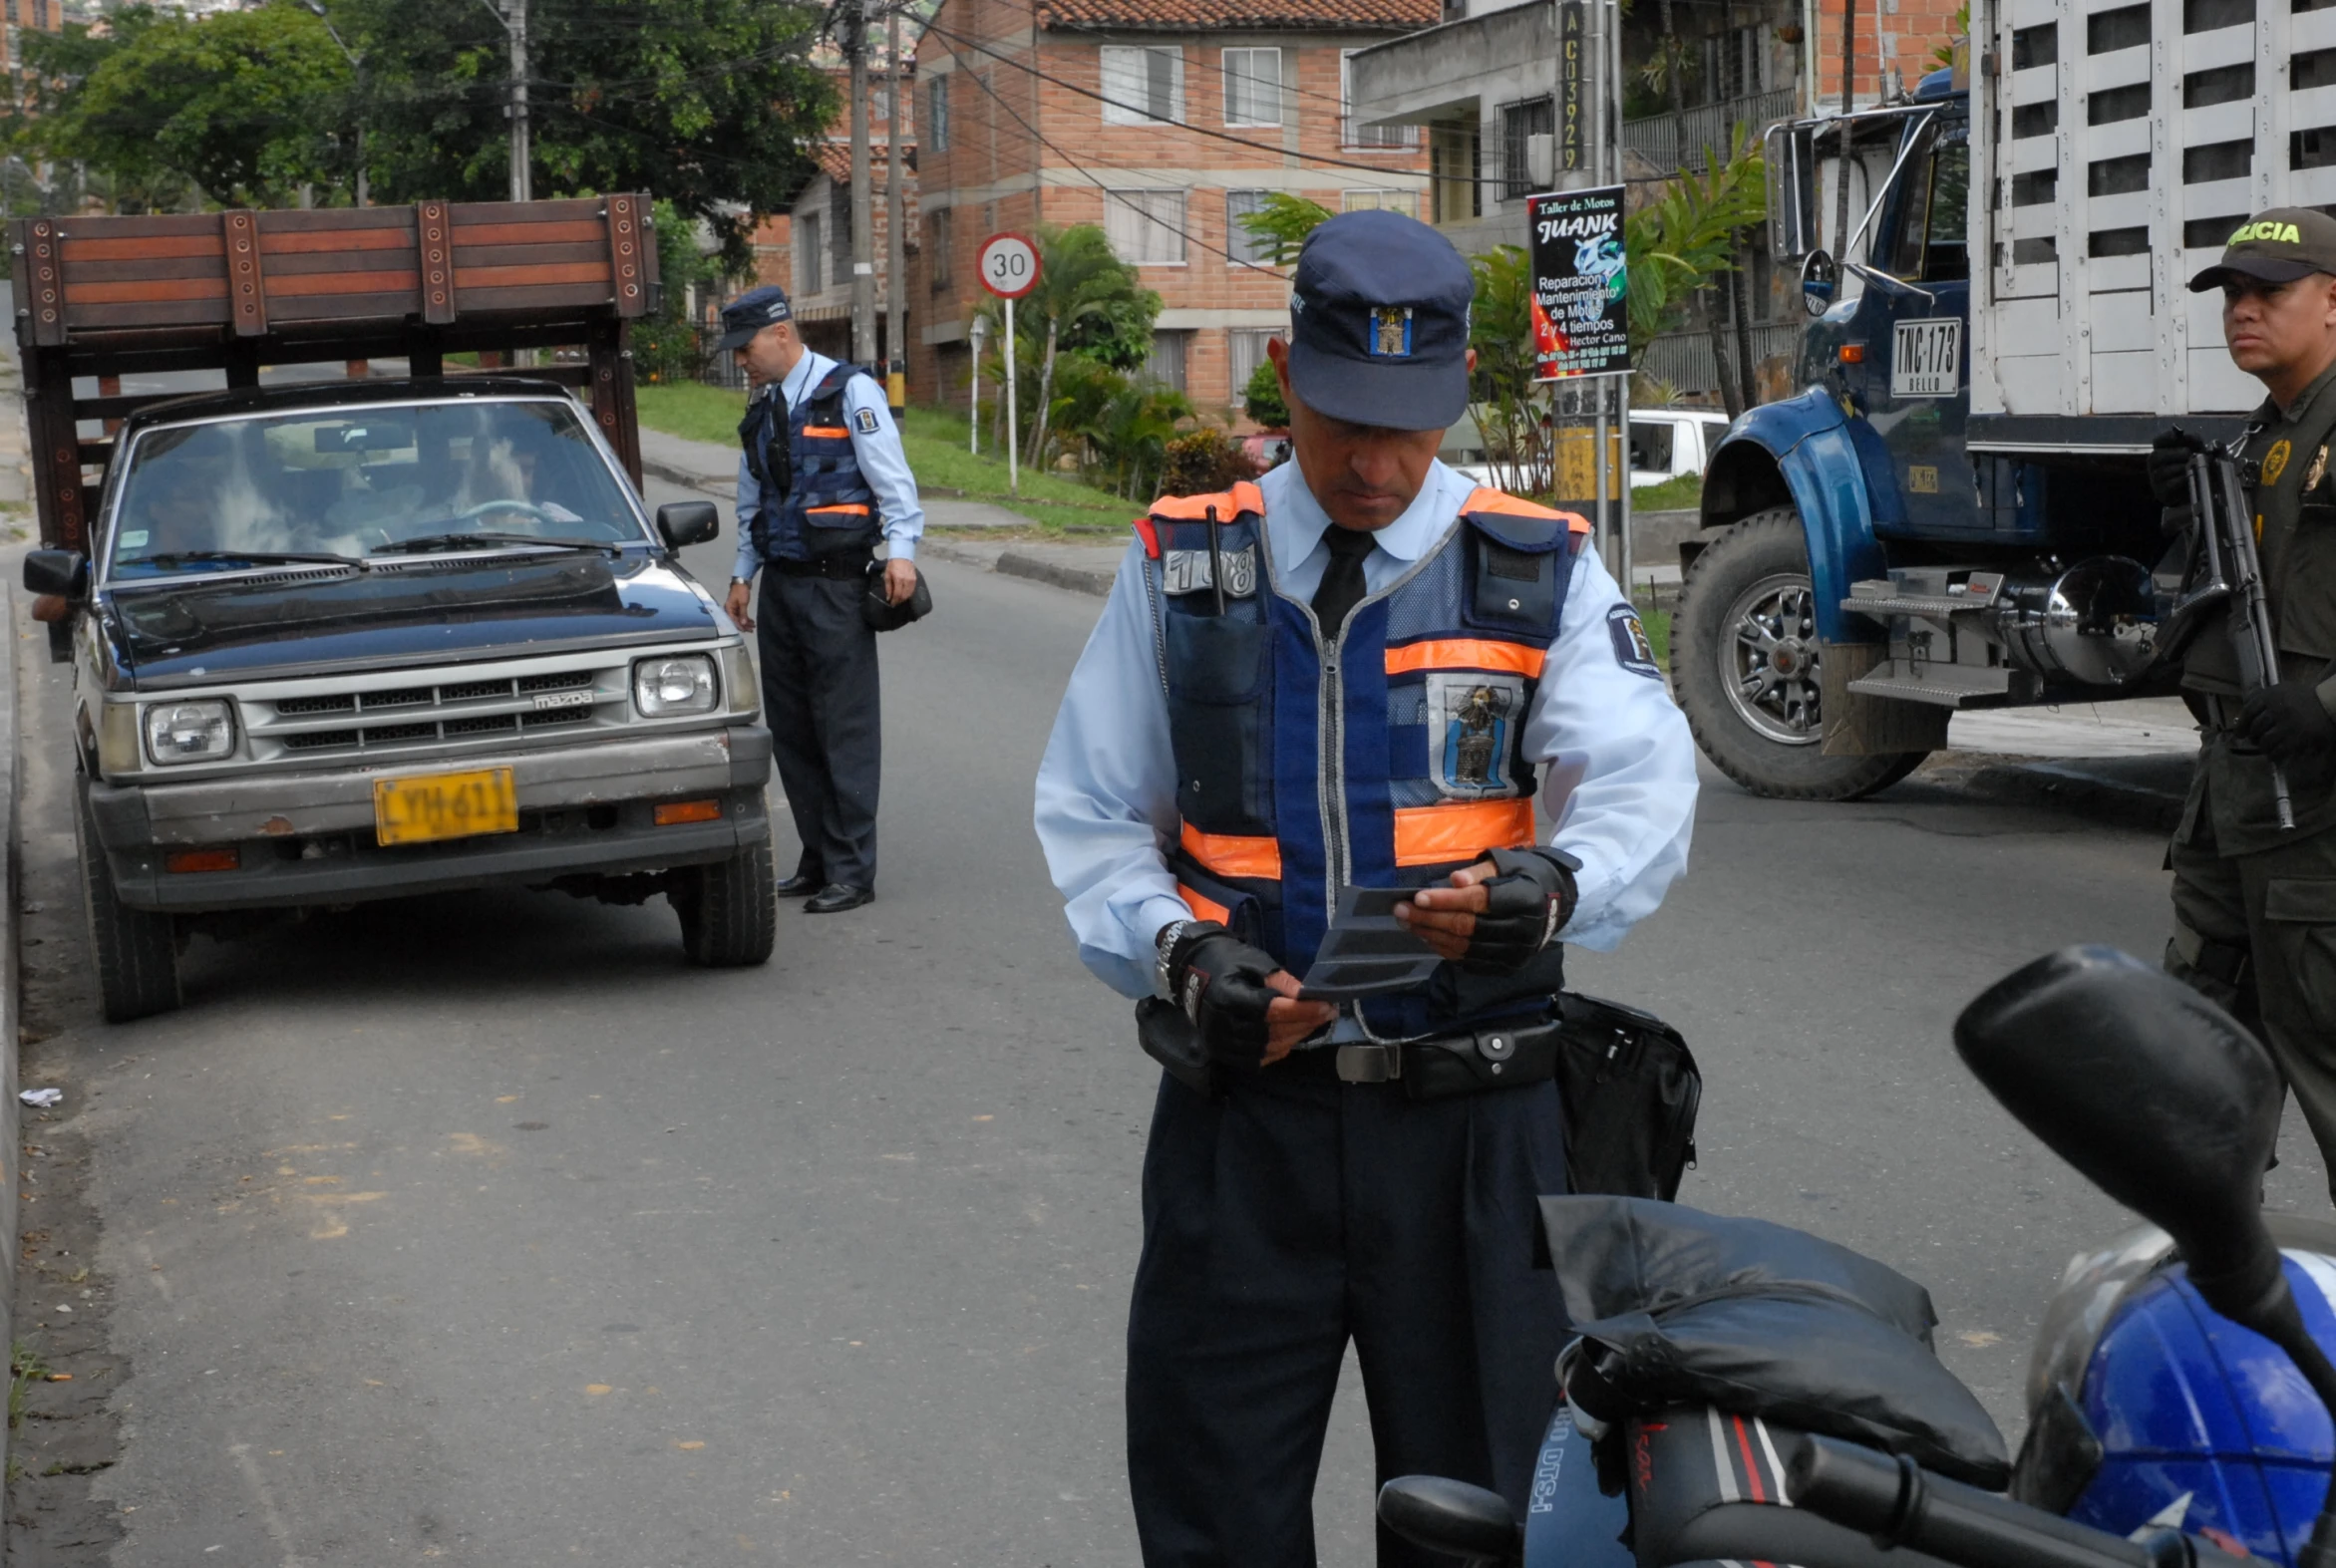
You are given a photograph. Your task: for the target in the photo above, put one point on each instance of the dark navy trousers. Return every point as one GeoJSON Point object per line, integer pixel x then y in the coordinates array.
{"type": "Point", "coordinates": [1296, 1214]}
{"type": "Point", "coordinates": [822, 702]}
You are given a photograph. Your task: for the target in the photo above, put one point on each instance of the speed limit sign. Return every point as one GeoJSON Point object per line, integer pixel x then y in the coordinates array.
{"type": "Point", "coordinates": [1009, 265]}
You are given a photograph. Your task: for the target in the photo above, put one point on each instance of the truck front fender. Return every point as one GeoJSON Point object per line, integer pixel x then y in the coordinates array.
{"type": "Point", "coordinates": [1802, 451]}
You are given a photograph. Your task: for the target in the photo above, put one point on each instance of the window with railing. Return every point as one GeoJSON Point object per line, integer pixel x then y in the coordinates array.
{"type": "Point", "coordinates": [1519, 123]}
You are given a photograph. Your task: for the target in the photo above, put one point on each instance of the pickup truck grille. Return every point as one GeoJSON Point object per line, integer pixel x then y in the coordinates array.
{"type": "Point", "coordinates": [404, 717]}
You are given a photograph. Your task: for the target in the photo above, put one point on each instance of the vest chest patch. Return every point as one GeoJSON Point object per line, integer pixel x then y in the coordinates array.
{"type": "Point", "coordinates": [1189, 571]}
{"type": "Point", "coordinates": [1632, 650]}
{"type": "Point", "coordinates": [1471, 721]}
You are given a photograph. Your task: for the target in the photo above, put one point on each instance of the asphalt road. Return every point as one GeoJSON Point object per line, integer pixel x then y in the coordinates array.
{"type": "Point", "coordinates": [484, 1230]}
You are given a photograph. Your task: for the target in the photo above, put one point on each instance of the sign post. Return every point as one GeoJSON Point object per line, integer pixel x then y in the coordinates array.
{"type": "Point", "coordinates": [1009, 269]}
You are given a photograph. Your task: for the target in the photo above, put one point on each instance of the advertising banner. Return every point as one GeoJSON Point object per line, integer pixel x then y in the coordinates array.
{"type": "Point", "coordinates": [1581, 286]}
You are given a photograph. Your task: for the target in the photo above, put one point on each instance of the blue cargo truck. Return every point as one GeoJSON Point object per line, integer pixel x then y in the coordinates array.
{"type": "Point", "coordinates": [1952, 513]}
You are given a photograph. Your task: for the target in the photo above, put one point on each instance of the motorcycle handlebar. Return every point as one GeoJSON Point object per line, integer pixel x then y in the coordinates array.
{"type": "Point", "coordinates": [1899, 1503]}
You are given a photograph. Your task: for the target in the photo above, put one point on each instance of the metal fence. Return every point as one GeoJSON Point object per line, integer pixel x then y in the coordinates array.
{"type": "Point", "coordinates": [1683, 360]}
{"type": "Point", "coordinates": [1658, 137]}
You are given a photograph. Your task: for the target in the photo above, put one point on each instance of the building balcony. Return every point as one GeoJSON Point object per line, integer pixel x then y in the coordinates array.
{"type": "Point", "coordinates": [1658, 137]}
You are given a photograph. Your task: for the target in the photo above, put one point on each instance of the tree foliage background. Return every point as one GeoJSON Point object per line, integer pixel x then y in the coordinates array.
{"type": "Point", "coordinates": [709, 103]}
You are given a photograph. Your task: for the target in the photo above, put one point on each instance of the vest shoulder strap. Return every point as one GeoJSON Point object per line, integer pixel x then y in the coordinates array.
{"type": "Point", "coordinates": [1522, 525]}
{"type": "Point", "coordinates": [1228, 504]}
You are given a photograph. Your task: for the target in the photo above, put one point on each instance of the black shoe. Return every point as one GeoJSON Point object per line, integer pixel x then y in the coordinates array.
{"type": "Point", "coordinates": [837, 896]}
{"type": "Point", "coordinates": [802, 884]}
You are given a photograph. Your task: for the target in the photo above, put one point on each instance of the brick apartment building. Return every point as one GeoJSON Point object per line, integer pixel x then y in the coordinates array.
{"type": "Point", "coordinates": [807, 250]}
{"type": "Point", "coordinates": [1162, 120]}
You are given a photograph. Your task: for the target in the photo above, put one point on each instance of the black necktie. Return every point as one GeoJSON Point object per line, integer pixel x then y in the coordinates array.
{"type": "Point", "coordinates": [1342, 580]}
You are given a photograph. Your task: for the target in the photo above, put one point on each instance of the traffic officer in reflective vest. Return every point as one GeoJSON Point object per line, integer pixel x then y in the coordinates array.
{"type": "Point", "coordinates": [823, 477]}
{"type": "Point", "coordinates": [2254, 904]}
{"type": "Point", "coordinates": [1349, 675]}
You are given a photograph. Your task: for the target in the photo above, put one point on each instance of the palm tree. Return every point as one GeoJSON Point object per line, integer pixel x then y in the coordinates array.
{"type": "Point", "coordinates": [1087, 301]}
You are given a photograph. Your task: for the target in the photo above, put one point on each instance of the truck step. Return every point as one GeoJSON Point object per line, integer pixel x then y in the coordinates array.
{"type": "Point", "coordinates": [1943, 684]}
{"type": "Point", "coordinates": [1880, 597]}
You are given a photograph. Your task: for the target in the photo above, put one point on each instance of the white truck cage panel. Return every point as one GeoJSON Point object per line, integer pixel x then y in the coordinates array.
{"type": "Point", "coordinates": [2120, 143]}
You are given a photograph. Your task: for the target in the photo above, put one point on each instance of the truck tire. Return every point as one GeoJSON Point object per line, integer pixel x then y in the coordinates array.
{"type": "Point", "coordinates": [729, 910]}
{"type": "Point", "coordinates": [134, 951]}
{"type": "Point", "coordinates": [1745, 667]}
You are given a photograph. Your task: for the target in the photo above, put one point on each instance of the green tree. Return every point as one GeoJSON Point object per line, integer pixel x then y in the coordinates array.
{"type": "Point", "coordinates": [1282, 225]}
{"type": "Point", "coordinates": [1683, 239]}
{"type": "Point", "coordinates": [709, 103]}
{"type": "Point", "coordinates": [1262, 398]}
{"type": "Point", "coordinates": [1088, 302]}
{"type": "Point", "coordinates": [229, 103]}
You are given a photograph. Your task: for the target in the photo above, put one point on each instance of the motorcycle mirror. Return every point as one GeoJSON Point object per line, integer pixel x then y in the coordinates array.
{"type": "Point", "coordinates": [2158, 1096]}
{"type": "Point", "coordinates": [1821, 277]}
{"type": "Point", "coordinates": [1452, 1517]}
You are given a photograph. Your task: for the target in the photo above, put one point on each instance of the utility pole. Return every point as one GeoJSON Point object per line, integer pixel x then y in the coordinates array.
{"type": "Point", "coordinates": [522, 150]}
{"type": "Point", "coordinates": [864, 245]}
{"type": "Point", "coordinates": [895, 229]}
{"type": "Point", "coordinates": [1842, 163]}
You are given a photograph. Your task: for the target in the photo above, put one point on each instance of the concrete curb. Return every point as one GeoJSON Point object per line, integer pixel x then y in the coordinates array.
{"type": "Point", "coordinates": [11, 977]}
{"type": "Point", "coordinates": [2142, 794]}
{"type": "Point", "coordinates": [1078, 579]}
{"type": "Point", "coordinates": [722, 484]}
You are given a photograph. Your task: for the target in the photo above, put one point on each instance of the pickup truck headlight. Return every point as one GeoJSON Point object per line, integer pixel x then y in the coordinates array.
{"type": "Point", "coordinates": [675, 684]}
{"type": "Point", "coordinates": [192, 731]}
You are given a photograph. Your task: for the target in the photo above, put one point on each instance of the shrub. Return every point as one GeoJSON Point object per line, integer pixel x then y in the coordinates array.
{"type": "Point", "coordinates": [1203, 462]}
{"type": "Point", "coordinates": [1262, 398]}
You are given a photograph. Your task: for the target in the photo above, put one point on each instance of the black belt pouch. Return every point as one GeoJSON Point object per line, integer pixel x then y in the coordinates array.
{"type": "Point", "coordinates": [1631, 1091]}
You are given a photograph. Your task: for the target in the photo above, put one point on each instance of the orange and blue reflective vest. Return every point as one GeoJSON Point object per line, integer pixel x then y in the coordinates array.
{"type": "Point", "coordinates": [821, 503]}
{"type": "Point", "coordinates": [1389, 756]}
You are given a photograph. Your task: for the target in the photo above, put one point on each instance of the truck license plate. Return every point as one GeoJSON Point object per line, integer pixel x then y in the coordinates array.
{"type": "Point", "coordinates": [423, 807]}
{"type": "Point", "coordinates": [1928, 359]}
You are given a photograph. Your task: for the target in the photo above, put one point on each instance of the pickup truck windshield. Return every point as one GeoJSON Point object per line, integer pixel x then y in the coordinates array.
{"type": "Point", "coordinates": [350, 481]}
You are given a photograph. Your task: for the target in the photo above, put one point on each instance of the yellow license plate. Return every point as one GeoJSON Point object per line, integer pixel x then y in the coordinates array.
{"type": "Point", "coordinates": [424, 806]}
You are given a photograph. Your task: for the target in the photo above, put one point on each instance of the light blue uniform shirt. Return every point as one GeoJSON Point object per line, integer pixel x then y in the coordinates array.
{"type": "Point", "coordinates": [1618, 766]}
{"type": "Point", "coordinates": [879, 453]}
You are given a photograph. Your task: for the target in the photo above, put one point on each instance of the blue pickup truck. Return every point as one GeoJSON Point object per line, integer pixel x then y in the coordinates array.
{"type": "Point", "coordinates": [1952, 513]}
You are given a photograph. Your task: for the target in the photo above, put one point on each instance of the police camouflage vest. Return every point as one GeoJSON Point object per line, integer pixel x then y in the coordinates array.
{"type": "Point", "coordinates": [822, 504]}
{"type": "Point", "coordinates": [1393, 757]}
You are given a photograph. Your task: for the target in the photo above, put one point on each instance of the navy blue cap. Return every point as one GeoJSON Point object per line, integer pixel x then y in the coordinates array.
{"type": "Point", "coordinates": [1379, 318]}
{"type": "Point", "coordinates": [750, 313]}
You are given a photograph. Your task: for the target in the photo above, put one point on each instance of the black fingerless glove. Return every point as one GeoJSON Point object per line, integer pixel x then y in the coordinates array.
{"type": "Point", "coordinates": [1530, 901]}
{"type": "Point", "coordinates": [2168, 467]}
{"type": "Point", "coordinates": [2289, 722]}
{"type": "Point", "coordinates": [1218, 981]}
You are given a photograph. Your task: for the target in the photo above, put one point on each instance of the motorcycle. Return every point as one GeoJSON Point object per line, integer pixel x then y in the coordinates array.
{"type": "Point", "coordinates": [1743, 1393]}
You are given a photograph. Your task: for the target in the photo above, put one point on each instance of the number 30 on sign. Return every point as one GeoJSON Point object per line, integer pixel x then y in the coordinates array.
{"type": "Point", "coordinates": [1009, 265]}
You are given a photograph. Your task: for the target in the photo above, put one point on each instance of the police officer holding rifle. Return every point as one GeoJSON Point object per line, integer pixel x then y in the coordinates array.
{"type": "Point", "coordinates": [2253, 859]}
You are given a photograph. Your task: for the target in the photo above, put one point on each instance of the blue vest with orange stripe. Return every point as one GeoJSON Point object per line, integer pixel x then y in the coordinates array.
{"type": "Point", "coordinates": [822, 504]}
{"type": "Point", "coordinates": [1392, 757]}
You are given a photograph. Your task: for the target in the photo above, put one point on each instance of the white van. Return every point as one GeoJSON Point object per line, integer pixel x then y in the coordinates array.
{"type": "Point", "coordinates": [1664, 444]}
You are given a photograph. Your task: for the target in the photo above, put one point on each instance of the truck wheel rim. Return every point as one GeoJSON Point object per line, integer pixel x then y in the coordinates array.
{"type": "Point", "coordinates": [1769, 664]}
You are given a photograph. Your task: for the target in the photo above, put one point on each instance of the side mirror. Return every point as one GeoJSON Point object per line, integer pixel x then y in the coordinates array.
{"type": "Point", "coordinates": [2154, 1093]}
{"type": "Point", "coordinates": [61, 572]}
{"type": "Point", "coordinates": [683, 522]}
{"type": "Point", "coordinates": [1821, 280]}
{"type": "Point", "coordinates": [1452, 1517]}
{"type": "Point", "coordinates": [1789, 152]}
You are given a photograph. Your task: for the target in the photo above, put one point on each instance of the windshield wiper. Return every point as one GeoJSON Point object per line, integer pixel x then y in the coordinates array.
{"type": "Point", "coordinates": [470, 541]}
{"type": "Point", "coordinates": [249, 558]}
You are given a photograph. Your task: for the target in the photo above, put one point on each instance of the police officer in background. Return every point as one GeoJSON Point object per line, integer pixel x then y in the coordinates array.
{"type": "Point", "coordinates": [2254, 905]}
{"type": "Point", "coordinates": [823, 477]}
{"type": "Point", "coordinates": [1354, 683]}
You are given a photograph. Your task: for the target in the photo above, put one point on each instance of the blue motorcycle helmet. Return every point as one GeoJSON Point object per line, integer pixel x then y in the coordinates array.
{"type": "Point", "coordinates": [2147, 1408]}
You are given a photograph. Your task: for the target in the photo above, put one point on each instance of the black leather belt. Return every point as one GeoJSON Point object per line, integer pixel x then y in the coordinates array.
{"type": "Point", "coordinates": [1499, 1056]}
{"type": "Point", "coordinates": [841, 566]}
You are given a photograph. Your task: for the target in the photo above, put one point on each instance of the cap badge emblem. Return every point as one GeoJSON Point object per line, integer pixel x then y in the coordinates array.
{"type": "Point", "coordinates": [1391, 332]}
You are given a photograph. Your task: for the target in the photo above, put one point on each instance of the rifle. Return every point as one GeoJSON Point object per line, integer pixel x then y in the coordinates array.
{"type": "Point", "coordinates": [2234, 574]}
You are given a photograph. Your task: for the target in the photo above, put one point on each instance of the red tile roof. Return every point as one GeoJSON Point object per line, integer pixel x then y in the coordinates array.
{"type": "Point", "coordinates": [1226, 16]}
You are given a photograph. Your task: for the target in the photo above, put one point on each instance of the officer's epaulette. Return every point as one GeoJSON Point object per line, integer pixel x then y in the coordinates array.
{"type": "Point", "coordinates": [1223, 506]}
{"type": "Point", "coordinates": [1523, 526]}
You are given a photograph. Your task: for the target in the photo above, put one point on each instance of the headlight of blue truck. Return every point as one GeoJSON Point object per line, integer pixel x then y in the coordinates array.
{"type": "Point", "coordinates": [189, 731]}
{"type": "Point", "coordinates": [674, 684]}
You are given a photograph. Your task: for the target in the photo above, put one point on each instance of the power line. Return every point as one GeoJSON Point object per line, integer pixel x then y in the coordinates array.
{"type": "Point", "coordinates": [1221, 136]}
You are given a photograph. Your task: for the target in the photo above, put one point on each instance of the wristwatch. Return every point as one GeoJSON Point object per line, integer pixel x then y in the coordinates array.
{"type": "Point", "coordinates": [1160, 964]}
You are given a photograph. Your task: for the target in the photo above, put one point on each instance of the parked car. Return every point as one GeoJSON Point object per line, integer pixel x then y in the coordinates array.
{"type": "Point", "coordinates": [1664, 444]}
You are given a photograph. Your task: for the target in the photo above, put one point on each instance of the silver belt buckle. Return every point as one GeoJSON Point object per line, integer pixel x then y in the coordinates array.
{"type": "Point", "coordinates": [1373, 1063]}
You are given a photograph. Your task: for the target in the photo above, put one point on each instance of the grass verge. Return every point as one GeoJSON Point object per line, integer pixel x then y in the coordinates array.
{"type": "Point", "coordinates": [935, 443]}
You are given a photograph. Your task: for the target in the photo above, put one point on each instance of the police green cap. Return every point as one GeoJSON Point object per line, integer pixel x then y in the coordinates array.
{"type": "Point", "coordinates": [2275, 246]}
